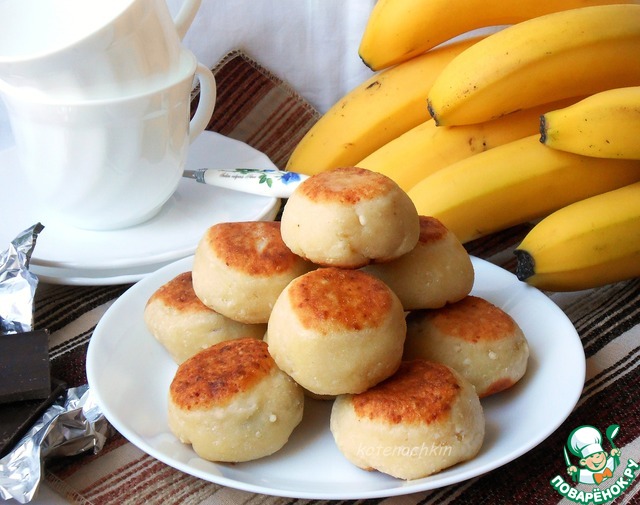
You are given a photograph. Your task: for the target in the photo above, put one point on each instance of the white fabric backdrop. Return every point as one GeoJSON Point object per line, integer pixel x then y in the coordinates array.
{"type": "Point", "coordinates": [311, 44]}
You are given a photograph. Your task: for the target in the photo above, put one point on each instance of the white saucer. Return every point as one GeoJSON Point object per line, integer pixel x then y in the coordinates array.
{"type": "Point", "coordinates": [69, 255]}
{"type": "Point", "coordinates": [100, 277]}
{"type": "Point", "coordinates": [132, 393]}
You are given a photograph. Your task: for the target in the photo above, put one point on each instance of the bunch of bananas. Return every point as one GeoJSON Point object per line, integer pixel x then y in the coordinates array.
{"type": "Point", "coordinates": [539, 119]}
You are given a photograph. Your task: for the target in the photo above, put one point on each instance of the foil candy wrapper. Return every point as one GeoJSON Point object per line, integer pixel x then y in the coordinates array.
{"type": "Point", "coordinates": [17, 283]}
{"type": "Point", "coordinates": [72, 425]}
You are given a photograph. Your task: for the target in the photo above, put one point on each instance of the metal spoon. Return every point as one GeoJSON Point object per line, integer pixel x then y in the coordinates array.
{"type": "Point", "coordinates": [265, 182]}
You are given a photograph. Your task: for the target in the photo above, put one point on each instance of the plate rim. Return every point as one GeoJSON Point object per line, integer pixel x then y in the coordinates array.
{"type": "Point", "coordinates": [403, 487]}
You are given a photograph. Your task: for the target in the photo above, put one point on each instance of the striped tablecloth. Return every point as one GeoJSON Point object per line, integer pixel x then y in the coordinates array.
{"type": "Point", "coordinates": [256, 107]}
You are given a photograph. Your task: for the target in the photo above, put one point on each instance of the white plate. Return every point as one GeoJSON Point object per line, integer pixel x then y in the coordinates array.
{"type": "Point", "coordinates": [129, 372]}
{"type": "Point", "coordinates": [170, 235]}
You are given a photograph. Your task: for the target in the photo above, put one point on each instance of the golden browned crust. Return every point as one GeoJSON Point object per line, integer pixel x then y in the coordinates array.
{"type": "Point", "coordinates": [497, 386]}
{"type": "Point", "coordinates": [473, 319]}
{"type": "Point", "coordinates": [420, 391]}
{"type": "Point", "coordinates": [431, 230]}
{"type": "Point", "coordinates": [214, 375]}
{"type": "Point", "coordinates": [255, 247]}
{"type": "Point", "coordinates": [347, 185]}
{"type": "Point", "coordinates": [330, 298]}
{"type": "Point", "coordinates": [178, 293]}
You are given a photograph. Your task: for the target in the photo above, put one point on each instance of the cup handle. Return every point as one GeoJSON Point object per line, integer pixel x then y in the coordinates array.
{"type": "Point", "coordinates": [185, 16]}
{"type": "Point", "coordinates": [206, 102]}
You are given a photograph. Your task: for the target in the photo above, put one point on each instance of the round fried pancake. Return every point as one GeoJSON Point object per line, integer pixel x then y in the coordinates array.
{"type": "Point", "coordinates": [177, 318]}
{"type": "Point", "coordinates": [239, 269]}
{"type": "Point", "coordinates": [423, 419]}
{"type": "Point", "coordinates": [348, 217]}
{"type": "Point", "coordinates": [337, 331]}
{"type": "Point", "coordinates": [473, 336]}
{"type": "Point", "coordinates": [232, 403]}
{"type": "Point", "coordinates": [436, 271]}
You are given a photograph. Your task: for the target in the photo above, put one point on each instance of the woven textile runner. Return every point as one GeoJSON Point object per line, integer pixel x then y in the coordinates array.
{"type": "Point", "coordinates": [258, 108]}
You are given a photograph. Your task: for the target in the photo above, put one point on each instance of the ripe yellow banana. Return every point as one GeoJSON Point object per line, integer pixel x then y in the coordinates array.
{"type": "Point", "coordinates": [401, 29]}
{"type": "Point", "coordinates": [605, 125]}
{"type": "Point", "coordinates": [571, 53]}
{"type": "Point", "coordinates": [427, 148]}
{"type": "Point", "coordinates": [587, 244]}
{"type": "Point", "coordinates": [514, 183]}
{"type": "Point", "coordinates": [378, 110]}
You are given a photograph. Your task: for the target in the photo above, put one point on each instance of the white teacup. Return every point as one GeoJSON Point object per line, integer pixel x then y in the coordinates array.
{"type": "Point", "coordinates": [90, 48]}
{"type": "Point", "coordinates": [112, 163]}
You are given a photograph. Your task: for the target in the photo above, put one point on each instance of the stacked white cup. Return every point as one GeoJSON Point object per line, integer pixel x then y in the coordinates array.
{"type": "Point", "coordinates": [98, 95]}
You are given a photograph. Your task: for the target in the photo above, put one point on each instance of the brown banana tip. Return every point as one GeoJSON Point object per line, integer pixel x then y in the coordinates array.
{"type": "Point", "coordinates": [365, 63]}
{"type": "Point", "coordinates": [543, 129]}
{"type": "Point", "coordinates": [525, 266]}
{"type": "Point", "coordinates": [432, 112]}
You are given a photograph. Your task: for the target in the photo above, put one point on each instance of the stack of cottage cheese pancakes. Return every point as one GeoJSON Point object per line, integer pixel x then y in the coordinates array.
{"type": "Point", "coordinates": [352, 298]}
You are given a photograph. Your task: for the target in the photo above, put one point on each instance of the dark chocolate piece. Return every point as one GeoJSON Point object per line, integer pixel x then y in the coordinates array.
{"type": "Point", "coordinates": [25, 369]}
{"type": "Point", "coordinates": [17, 418]}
